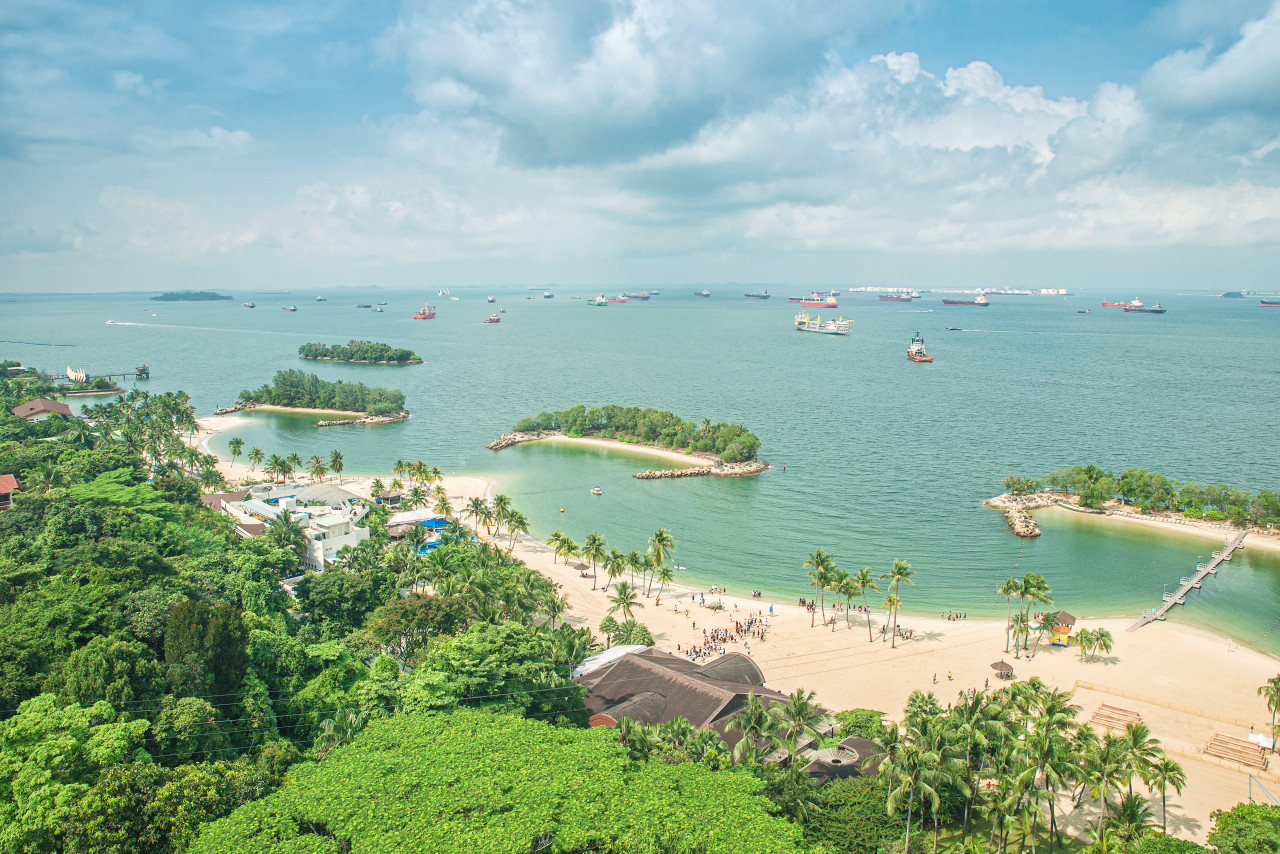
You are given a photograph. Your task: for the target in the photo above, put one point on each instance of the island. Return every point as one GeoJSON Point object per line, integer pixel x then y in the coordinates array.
{"type": "Point", "coordinates": [296, 391]}
{"type": "Point", "coordinates": [724, 450]}
{"type": "Point", "coordinates": [1137, 494]}
{"type": "Point", "coordinates": [360, 353]}
{"type": "Point", "coordinates": [190, 296]}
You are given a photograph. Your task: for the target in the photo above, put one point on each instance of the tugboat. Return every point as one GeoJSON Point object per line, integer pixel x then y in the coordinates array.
{"type": "Point", "coordinates": [915, 351]}
{"type": "Point", "coordinates": [378, 307]}
{"type": "Point", "coordinates": [600, 300]}
{"type": "Point", "coordinates": [702, 293]}
{"type": "Point", "coordinates": [981, 300]}
{"type": "Point", "coordinates": [427, 312]}
{"type": "Point", "coordinates": [493, 318]}
{"type": "Point", "coordinates": [1141, 309]}
{"type": "Point", "coordinates": [289, 308]}
{"type": "Point", "coordinates": [757, 295]}
{"type": "Point", "coordinates": [502, 311]}
{"type": "Point", "coordinates": [491, 299]}
{"type": "Point", "coordinates": [805, 323]}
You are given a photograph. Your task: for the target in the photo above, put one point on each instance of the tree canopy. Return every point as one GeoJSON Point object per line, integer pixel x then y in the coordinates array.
{"type": "Point", "coordinates": [732, 442]}
{"type": "Point", "coordinates": [358, 351]}
{"type": "Point", "coordinates": [296, 388]}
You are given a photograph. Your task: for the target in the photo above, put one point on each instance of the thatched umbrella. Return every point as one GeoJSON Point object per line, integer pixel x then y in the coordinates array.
{"type": "Point", "coordinates": [1002, 667]}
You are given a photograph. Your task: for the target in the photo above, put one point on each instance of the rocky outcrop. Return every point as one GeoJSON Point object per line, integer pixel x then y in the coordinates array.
{"type": "Point", "coordinates": [716, 470]}
{"type": "Point", "coordinates": [506, 440]}
{"type": "Point", "coordinates": [1015, 507]}
{"type": "Point", "coordinates": [238, 406]}
{"type": "Point", "coordinates": [367, 419]}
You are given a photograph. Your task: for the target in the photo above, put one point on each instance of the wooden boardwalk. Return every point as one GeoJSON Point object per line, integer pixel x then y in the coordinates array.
{"type": "Point", "coordinates": [1179, 597]}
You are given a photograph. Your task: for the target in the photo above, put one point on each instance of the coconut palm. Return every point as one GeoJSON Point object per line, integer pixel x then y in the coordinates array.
{"type": "Point", "coordinates": [434, 475]}
{"type": "Point", "coordinates": [625, 600]}
{"type": "Point", "coordinates": [1163, 775]}
{"type": "Point", "coordinates": [1083, 639]}
{"type": "Point", "coordinates": [255, 457]}
{"type": "Point", "coordinates": [820, 566]}
{"type": "Point", "coordinates": [1104, 766]}
{"type": "Point", "coordinates": [335, 464]}
{"type": "Point", "coordinates": [798, 716]}
{"type": "Point", "coordinates": [517, 525]}
{"type": "Point", "coordinates": [662, 546]}
{"type": "Point", "coordinates": [609, 627]}
{"type": "Point", "coordinates": [395, 485]}
{"type": "Point", "coordinates": [865, 580]}
{"type": "Point", "coordinates": [283, 533]}
{"type": "Point", "coordinates": [210, 478]}
{"type": "Point", "coordinates": [594, 548]}
{"type": "Point", "coordinates": [1143, 751]}
{"type": "Point", "coordinates": [1020, 628]}
{"type": "Point", "coordinates": [316, 468]}
{"type": "Point", "coordinates": [477, 508]}
{"type": "Point", "coordinates": [294, 462]}
{"type": "Point", "coordinates": [418, 471]}
{"type": "Point", "coordinates": [1008, 590]}
{"type": "Point", "coordinates": [501, 505]}
{"type": "Point", "coordinates": [666, 575]}
{"type": "Point", "coordinates": [443, 507]}
{"type": "Point", "coordinates": [1271, 693]}
{"type": "Point", "coordinates": [1033, 589]}
{"type": "Point", "coordinates": [235, 447]}
{"type": "Point", "coordinates": [757, 727]}
{"type": "Point", "coordinates": [415, 498]}
{"type": "Point", "coordinates": [1131, 819]}
{"type": "Point", "coordinates": [901, 572]}
{"type": "Point", "coordinates": [840, 586]}
{"type": "Point", "coordinates": [615, 563]}
{"type": "Point", "coordinates": [377, 487]}
{"type": "Point", "coordinates": [1102, 640]}
{"type": "Point", "coordinates": [892, 602]}
{"type": "Point", "coordinates": [637, 562]}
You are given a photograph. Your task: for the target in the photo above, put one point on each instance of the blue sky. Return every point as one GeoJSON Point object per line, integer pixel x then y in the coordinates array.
{"type": "Point", "coordinates": [972, 142]}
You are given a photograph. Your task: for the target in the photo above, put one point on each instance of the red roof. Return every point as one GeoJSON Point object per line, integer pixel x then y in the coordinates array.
{"type": "Point", "coordinates": [9, 483]}
{"type": "Point", "coordinates": [39, 405]}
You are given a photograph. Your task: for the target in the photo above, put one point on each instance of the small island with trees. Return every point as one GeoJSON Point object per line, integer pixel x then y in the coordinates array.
{"type": "Point", "coordinates": [298, 390]}
{"type": "Point", "coordinates": [190, 296]}
{"type": "Point", "coordinates": [728, 449]}
{"type": "Point", "coordinates": [360, 353]}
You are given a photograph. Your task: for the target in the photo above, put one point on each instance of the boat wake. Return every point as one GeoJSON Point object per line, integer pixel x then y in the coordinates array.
{"type": "Point", "coordinates": [37, 344]}
{"type": "Point", "coordinates": [202, 329]}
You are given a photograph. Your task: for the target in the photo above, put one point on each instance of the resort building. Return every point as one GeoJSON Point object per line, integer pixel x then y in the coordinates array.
{"type": "Point", "coordinates": [8, 486]}
{"type": "Point", "coordinates": [328, 515]}
{"type": "Point", "coordinates": [40, 409]}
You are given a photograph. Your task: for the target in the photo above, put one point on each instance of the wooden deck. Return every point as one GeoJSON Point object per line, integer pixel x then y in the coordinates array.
{"type": "Point", "coordinates": [1187, 584]}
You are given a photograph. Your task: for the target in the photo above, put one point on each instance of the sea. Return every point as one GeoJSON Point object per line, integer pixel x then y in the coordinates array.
{"type": "Point", "coordinates": [874, 458]}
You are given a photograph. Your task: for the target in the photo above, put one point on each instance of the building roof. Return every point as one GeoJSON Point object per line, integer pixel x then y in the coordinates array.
{"type": "Point", "coordinates": [329, 521]}
{"type": "Point", "coordinates": [9, 483]}
{"type": "Point", "coordinates": [1062, 618]}
{"type": "Point", "coordinates": [39, 406]}
{"type": "Point", "coordinates": [653, 687]}
{"type": "Point", "coordinates": [328, 493]}
{"type": "Point", "coordinates": [609, 656]}
{"type": "Point", "coordinates": [843, 761]}
{"type": "Point", "coordinates": [214, 499]}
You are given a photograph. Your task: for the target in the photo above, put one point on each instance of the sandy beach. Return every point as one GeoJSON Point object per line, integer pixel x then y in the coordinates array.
{"type": "Point", "coordinates": [1185, 682]}
{"type": "Point", "coordinates": [1258, 538]}
{"type": "Point", "coordinates": [678, 457]}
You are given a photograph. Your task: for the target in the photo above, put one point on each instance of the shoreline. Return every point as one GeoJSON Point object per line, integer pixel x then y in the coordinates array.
{"type": "Point", "coordinates": [1256, 539]}
{"type": "Point", "coordinates": [286, 410]}
{"type": "Point", "coordinates": [690, 460]}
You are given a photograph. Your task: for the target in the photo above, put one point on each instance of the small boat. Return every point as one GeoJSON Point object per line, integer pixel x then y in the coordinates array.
{"type": "Point", "coordinates": [427, 312]}
{"type": "Point", "coordinates": [915, 295]}
{"type": "Point", "coordinates": [443, 293]}
{"type": "Point", "coordinates": [757, 295]}
{"type": "Point", "coordinates": [915, 351]}
{"type": "Point", "coordinates": [981, 300]}
{"type": "Point", "coordinates": [702, 293]}
{"type": "Point", "coordinates": [322, 299]}
{"type": "Point", "coordinates": [619, 298]}
{"type": "Point", "coordinates": [1142, 309]}
{"type": "Point", "coordinates": [493, 318]}
{"type": "Point", "coordinates": [895, 298]}
{"type": "Point", "coordinates": [1085, 311]}
{"type": "Point", "coordinates": [805, 323]}
{"type": "Point", "coordinates": [110, 322]}
{"type": "Point", "coordinates": [600, 300]}
{"type": "Point", "coordinates": [655, 293]}
{"type": "Point", "coordinates": [954, 329]}
{"type": "Point", "coordinates": [1270, 303]}
{"type": "Point", "coordinates": [382, 303]}
{"type": "Point", "coordinates": [595, 490]}
{"type": "Point", "coordinates": [502, 311]}
{"type": "Point", "coordinates": [289, 308]}
{"type": "Point", "coordinates": [377, 308]}
{"type": "Point", "coordinates": [249, 304]}
{"type": "Point", "coordinates": [455, 299]}
{"type": "Point", "coordinates": [363, 305]}
{"type": "Point", "coordinates": [491, 299]}
{"type": "Point", "coordinates": [1137, 303]}
{"type": "Point", "coordinates": [547, 295]}
{"type": "Point", "coordinates": [155, 315]}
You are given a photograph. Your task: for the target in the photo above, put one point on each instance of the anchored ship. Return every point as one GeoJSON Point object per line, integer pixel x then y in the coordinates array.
{"type": "Point", "coordinates": [600, 300]}
{"type": "Point", "coordinates": [757, 295]}
{"type": "Point", "coordinates": [427, 312]}
{"type": "Point", "coordinates": [493, 318]}
{"type": "Point", "coordinates": [1142, 309]}
{"type": "Point", "coordinates": [980, 300]}
{"type": "Point", "coordinates": [1137, 303]}
{"type": "Point", "coordinates": [702, 293]}
{"type": "Point", "coordinates": [805, 323]}
{"type": "Point", "coordinates": [916, 352]}
{"type": "Point", "coordinates": [895, 298]}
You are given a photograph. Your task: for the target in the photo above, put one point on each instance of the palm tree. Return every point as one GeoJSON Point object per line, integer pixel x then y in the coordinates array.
{"type": "Point", "coordinates": [1143, 749]}
{"type": "Point", "coordinates": [275, 467]}
{"type": "Point", "coordinates": [1008, 590]}
{"type": "Point", "coordinates": [901, 572]}
{"type": "Point", "coordinates": [891, 602]}
{"type": "Point", "coordinates": [1164, 774]}
{"type": "Point", "coordinates": [614, 565]}
{"type": "Point", "coordinates": [1271, 693]}
{"type": "Point", "coordinates": [567, 548]}
{"type": "Point", "coordinates": [283, 533]}
{"type": "Point", "coordinates": [235, 447]}
{"type": "Point", "coordinates": [1104, 767]}
{"type": "Point", "coordinates": [443, 507]}
{"type": "Point", "coordinates": [755, 724]}
{"type": "Point", "coordinates": [1131, 819]}
{"type": "Point", "coordinates": [1020, 628]}
{"type": "Point", "coordinates": [1102, 640]}
{"type": "Point", "coordinates": [377, 487]}
{"type": "Point", "coordinates": [395, 485]}
{"type": "Point", "coordinates": [820, 566]}
{"type": "Point", "coordinates": [841, 586]}
{"type": "Point", "coordinates": [335, 464]}
{"type": "Point", "coordinates": [865, 581]}
{"type": "Point", "coordinates": [637, 562]}
{"type": "Point", "coordinates": [798, 716]}
{"type": "Point", "coordinates": [315, 468]}
{"type": "Point", "coordinates": [477, 508]}
{"type": "Point", "coordinates": [255, 457]}
{"type": "Point", "coordinates": [294, 462]}
{"type": "Point", "coordinates": [434, 475]}
{"type": "Point", "coordinates": [593, 549]}
{"type": "Point", "coordinates": [418, 472]}
{"type": "Point", "coordinates": [666, 575]}
{"type": "Point", "coordinates": [662, 546]}
{"type": "Point", "coordinates": [1084, 640]}
{"type": "Point", "coordinates": [517, 524]}
{"type": "Point", "coordinates": [609, 627]}
{"type": "Point", "coordinates": [501, 509]}
{"type": "Point", "coordinates": [624, 599]}
{"type": "Point", "coordinates": [1032, 589]}
{"type": "Point", "coordinates": [210, 478]}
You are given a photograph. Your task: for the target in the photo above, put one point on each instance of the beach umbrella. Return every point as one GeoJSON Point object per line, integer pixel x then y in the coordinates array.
{"type": "Point", "coordinates": [1002, 667]}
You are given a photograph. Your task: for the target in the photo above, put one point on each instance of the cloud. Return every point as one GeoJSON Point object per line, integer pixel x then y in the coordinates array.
{"type": "Point", "coordinates": [1244, 76]}
{"type": "Point", "coordinates": [27, 240]}
{"type": "Point", "coordinates": [216, 140]}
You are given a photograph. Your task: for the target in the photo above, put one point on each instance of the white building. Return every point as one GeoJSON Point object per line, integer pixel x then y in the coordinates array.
{"type": "Point", "coordinates": [328, 515]}
{"type": "Point", "coordinates": [327, 534]}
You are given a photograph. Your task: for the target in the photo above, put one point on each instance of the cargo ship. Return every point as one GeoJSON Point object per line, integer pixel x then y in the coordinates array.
{"type": "Point", "coordinates": [548, 295]}
{"type": "Point", "coordinates": [600, 300]}
{"type": "Point", "coordinates": [427, 312]}
{"type": "Point", "coordinates": [322, 299]}
{"type": "Point", "coordinates": [915, 351]}
{"type": "Point", "coordinates": [1271, 303]}
{"type": "Point", "coordinates": [619, 298]}
{"type": "Point", "coordinates": [1142, 309]}
{"type": "Point", "coordinates": [757, 295]}
{"type": "Point", "coordinates": [364, 305]}
{"type": "Point", "coordinates": [819, 301]}
{"type": "Point", "coordinates": [289, 308]}
{"type": "Point", "coordinates": [805, 323]}
{"type": "Point", "coordinates": [895, 298]}
{"type": "Point", "coordinates": [702, 293]}
{"type": "Point", "coordinates": [643, 295]}
{"type": "Point", "coordinates": [1137, 303]}
{"type": "Point", "coordinates": [981, 300]}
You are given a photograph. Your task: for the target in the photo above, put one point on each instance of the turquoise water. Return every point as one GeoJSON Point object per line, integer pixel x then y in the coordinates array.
{"type": "Point", "coordinates": [883, 458]}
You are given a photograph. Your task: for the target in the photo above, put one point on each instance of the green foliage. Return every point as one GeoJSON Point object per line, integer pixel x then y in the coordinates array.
{"type": "Point", "coordinates": [494, 783]}
{"type": "Point", "coordinates": [121, 671]}
{"type": "Point", "coordinates": [1146, 490]}
{"type": "Point", "coordinates": [1160, 844]}
{"type": "Point", "coordinates": [1246, 829]}
{"type": "Point", "coordinates": [853, 817]}
{"type": "Point", "coordinates": [358, 351]}
{"type": "Point", "coordinates": [338, 601]}
{"type": "Point", "coordinates": [867, 723]}
{"type": "Point", "coordinates": [403, 626]}
{"type": "Point", "coordinates": [206, 648]}
{"type": "Point", "coordinates": [295, 388]}
{"type": "Point", "coordinates": [733, 442]}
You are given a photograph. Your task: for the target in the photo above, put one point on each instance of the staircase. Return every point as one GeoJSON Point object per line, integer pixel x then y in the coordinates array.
{"type": "Point", "coordinates": [1113, 717]}
{"type": "Point", "coordinates": [1234, 749]}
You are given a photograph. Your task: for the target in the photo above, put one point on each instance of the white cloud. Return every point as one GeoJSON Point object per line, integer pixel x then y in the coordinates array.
{"type": "Point", "coordinates": [216, 140]}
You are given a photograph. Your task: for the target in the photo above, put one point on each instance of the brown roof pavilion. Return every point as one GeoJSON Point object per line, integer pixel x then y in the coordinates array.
{"type": "Point", "coordinates": [1062, 618]}
{"type": "Point", "coordinates": [41, 406]}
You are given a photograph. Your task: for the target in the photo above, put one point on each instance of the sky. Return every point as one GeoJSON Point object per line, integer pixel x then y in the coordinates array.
{"type": "Point", "coordinates": [151, 145]}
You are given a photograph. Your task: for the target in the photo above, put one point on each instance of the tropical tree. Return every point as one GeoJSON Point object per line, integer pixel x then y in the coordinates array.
{"type": "Point", "coordinates": [892, 602]}
{"type": "Point", "coordinates": [1103, 641]}
{"type": "Point", "coordinates": [316, 468]}
{"type": "Point", "coordinates": [666, 575]}
{"type": "Point", "coordinates": [662, 546]}
{"type": "Point", "coordinates": [1271, 693]}
{"type": "Point", "coordinates": [1033, 589]}
{"type": "Point", "coordinates": [797, 717]}
{"type": "Point", "coordinates": [841, 585]}
{"type": "Point", "coordinates": [594, 548]}
{"type": "Point", "coordinates": [335, 464]}
{"type": "Point", "coordinates": [377, 487]}
{"type": "Point", "coordinates": [1131, 819]}
{"type": "Point", "coordinates": [443, 506]}
{"type": "Point", "coordinates": [517, 525]}
{"type": "Point", "coordinates": [615, 563]}
{"type": "Point", "coordinates": [757, 727]}
{"type": "Point", "coordinates": [1165, 774]}
{"type": "Point", "coordinates": [1083, 639]}
{"type": "Point", "coordinates": [235, 447]}
{"type": "Point", "coordinates": [1010, 588]}
{"type": "Point", "coordinates": [415, 498]}
{"type": "Point", "coordinates": [624, 600]}
{"type": "Point", "coordinates": [865, 581]}
{"type": "Point", "coordinates": [501, 509]}
{"type": "Point", "coordinates": [820, 566]}
{"type": "Point", "coordinates": [255, 457]}
{"type": "Point", "coordinates": [294, 462]}
{"type": "Point", "coordinates": [900, 572]}
{"type": "Point", "coordinates": [283, 533]}
{"type": "Point", "coordinates": [478, 509]}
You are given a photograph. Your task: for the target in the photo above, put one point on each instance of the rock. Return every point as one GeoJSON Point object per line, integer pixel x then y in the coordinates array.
{"type": "Point", "coordinates": [506, 440]}
{"type": "Point", "coordinates": [367, 419]}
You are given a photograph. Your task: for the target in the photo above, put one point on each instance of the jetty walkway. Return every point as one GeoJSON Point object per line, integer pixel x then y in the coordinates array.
{"type": "Point", "coordinates": [1179, 597]}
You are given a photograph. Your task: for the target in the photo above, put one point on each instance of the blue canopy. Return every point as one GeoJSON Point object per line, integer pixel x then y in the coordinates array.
{"type": "Point", "coordinates": [435, 524]}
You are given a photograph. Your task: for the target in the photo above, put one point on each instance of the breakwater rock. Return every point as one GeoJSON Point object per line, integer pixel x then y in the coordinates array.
{"type": "Point", "coordinates": [506, 440]}
{"type": "Point", "coordinates": [367, 419]}
{"type": "Point", "coordinates": [716, 470]}
{"type": "Point", "coordinates": [1015, 507]}
{"type": "Point", "coordinates": [238, 406]}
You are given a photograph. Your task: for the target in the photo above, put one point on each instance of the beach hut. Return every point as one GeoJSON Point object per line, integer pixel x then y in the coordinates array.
{"type": "Point", "coordinates": [1062, 625]}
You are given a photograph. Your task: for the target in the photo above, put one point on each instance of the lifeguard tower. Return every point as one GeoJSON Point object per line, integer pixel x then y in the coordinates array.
{"type": "Point", "coordinates": [1063, 623]}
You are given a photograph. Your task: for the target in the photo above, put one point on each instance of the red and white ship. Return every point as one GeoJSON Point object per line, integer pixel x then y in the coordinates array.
{"type": "Point", "coordinates": [427, 312]}
{"type": "Point", "coordinates": [915, 352]}
{"type": "Point", "coordinates": [1137, 303]}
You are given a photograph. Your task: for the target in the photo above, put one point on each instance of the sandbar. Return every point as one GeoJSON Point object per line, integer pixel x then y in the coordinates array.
{"type": "Point", "coordinates": [678, 457]}
{"type": "Point", "coordinates": [1259, 538]}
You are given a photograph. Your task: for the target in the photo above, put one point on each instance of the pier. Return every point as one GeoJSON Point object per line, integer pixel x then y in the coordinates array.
{"type": "Point", "coordinates": [1187, 584]}
{"type": "Point", "coordinates": [142, 372]}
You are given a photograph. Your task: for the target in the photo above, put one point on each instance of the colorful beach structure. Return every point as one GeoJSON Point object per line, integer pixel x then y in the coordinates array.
{"type": "Point", "coordinates": [1063, 623]}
